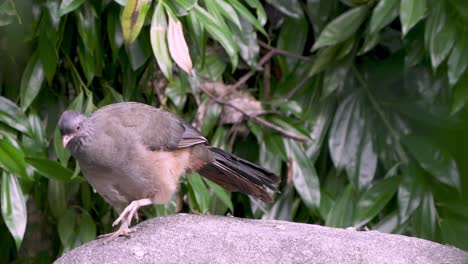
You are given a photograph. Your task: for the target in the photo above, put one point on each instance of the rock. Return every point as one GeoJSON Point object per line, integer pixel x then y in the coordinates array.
{"type": "Point", "coordinates": [186, 238]}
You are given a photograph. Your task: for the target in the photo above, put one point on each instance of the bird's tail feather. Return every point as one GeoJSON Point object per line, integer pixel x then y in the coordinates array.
{"type": "Point", "coordinates": [236, 174]}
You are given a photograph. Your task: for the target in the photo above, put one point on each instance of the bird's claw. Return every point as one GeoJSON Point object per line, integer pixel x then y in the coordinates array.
{"type": "Point", "coordinates": [122, 231]}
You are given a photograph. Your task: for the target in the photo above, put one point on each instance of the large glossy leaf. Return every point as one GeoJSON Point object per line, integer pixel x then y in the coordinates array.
{"type": "Point", "coordinates": [384, 12]}
{"type": "Point", "coordinates": [218, 33]}
{"type": "Point", "coordinates": [87, 228]}
{"type": "Point", "coordinates": [68, 6]}
{"type": "Point", "coordinates": [158, 40]}
{"type": "Point", "coordinates": [198, 192]}
{"type": "Point", "coordinates": [341, 214]}
{"type": "Point", "coordinates": [11, 115]}
{"type": "Point", "coordinates": [14, 210]}
{"type": "Point", "coordinates": [291, 8]}
{"type": "Point", "coordinates": [133, 17]}
{"type": "Point", "coordinates": [12, 158]}
{"type": "Point", "coordinates": [31, 81]}
{"type": "Point", "coordinates": [410, 192]}
{"type": "Point", "coordinates": [222, 194]}
{"type": "Point", "coordinates": [66, 229]}
{"type": "Point", "coordinates": [213, 111]}
{"type": "Point", "coordinates": [304, 176]}
{"type": "Point", "coordinates": [442, 35]}
{"type": "Point", "coordinates": [48, 53]}
{"type": "Point", "coordinates": [57, 198]}
{"type": "Point", "coordinates": [245, 13]}
{"type": "Point", "coordinates": [342, 27]}
{"type": "Point", "coordinates": [319, 130]}
{"type": "Point", "coordinates": [293, 28]}
{"type": "Point", "coordinates": [50, 169]}
{"type": "Point", "coordinates": [454, 232]}
{"type": "Point", "coordinates": [458, 59]}
{"type": "Point", "coordinates": [246, 39]}
{"type": "Point", "coordinates": [435, 159]}
{"type": "Point", "coordinates": [227, 11]}
{"type": "Point", "coordinates": [351, 144]}
{"type": "Point", "coordinates": [374, 200]}
{"type": "Point", "coordinates": [411, 11]}
{"type": "Point", "coordinates": [424, 220]}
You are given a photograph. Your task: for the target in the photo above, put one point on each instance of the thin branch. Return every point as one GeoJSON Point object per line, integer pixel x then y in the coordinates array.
{"type": "Point", "coordinates": [299, 85]}
{"type": "Point", "coordinates": [256, 118]}
{"type": "Point", "coordinates": [381, 113]}
{"type": "Point", "coordinates": [285, 52]}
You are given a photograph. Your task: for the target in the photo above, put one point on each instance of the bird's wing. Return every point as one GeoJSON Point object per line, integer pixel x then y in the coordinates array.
{"type": "Point", "coordinates": [157, 129]}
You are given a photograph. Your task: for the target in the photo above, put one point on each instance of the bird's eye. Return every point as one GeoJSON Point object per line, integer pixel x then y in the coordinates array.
{"type": "Point", "coordinates": [78, 127]}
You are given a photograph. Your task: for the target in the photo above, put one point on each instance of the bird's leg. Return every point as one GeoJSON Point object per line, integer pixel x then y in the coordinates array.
{"type": "Point", "coordinates": [125, 218]}
{"type": "Point", "coordinates": [131, 210]}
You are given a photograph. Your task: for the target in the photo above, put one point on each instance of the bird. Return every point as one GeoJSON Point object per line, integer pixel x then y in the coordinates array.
{"type": "Point", "coordinates": [134, 155]}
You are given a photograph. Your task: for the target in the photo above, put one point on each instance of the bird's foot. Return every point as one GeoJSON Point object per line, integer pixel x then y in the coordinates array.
{"type": "Point", "coordinates": [131, 211]}
{"type": "Point", "coordinates": [123, 230]}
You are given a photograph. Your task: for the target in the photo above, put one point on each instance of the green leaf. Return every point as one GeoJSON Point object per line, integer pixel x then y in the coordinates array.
{"type": "Point", "coordinates": [290, 8]}
{"type": "Point", "coordinates": [31, 81]}
{"type": "Point", "coordinates": [434, 159]}
{"type": "Point", "coordinates": [369, 43]}
{"type": "Point", "coordinates": [442, 35]}
{"type": "Point", "coordinates": [304, 176]}
{"type": "Point", "coordinates": [158, 40]}
{"type": "Point", "coordinates": [199, 192]}
{"type": "Point", "coordinates": [223, 36]}
{"type": "Point", "coordinates": [334, 78]}
{"type": "Point", "coordinates": [48, 55]}
{"type": "Point", "coordinates": [297, 29]}
{"type": "Point", "coordinates": [68, 6]}
{"type": "Point", "coordinates": [222, 194]}
{"type": "Point", "coordinates": [11, 115]}
{"type": "Point", "coordinates": [374, 200]}
{"type": "Point", "coordinates": [87, 228]}
{"type": "Point", "coordinates": [411, 11]}
{"type": "Point", "coordinates": [12, 159]}
{"type": "Point", "coordinates": [410, 192]}
{"type": "Point", "coordinates": [384, 12]}
{"type": "Point", "coordinates": [460, 94]}
{"type": "Point", "coordinates": [320, 128]}
{"type": "Point", "coordinates": [226, 10]}
{"type": "Point", "coordinates": [50, 169]}
{"type": "Point", "coordinates": [210, 118]}
{"type": "Point", "coordinates": [177, 91]}
{"type": "Point", "coordinates": [325, 58]}
{"type": "Point", "coordinates": [57, 198]}
{"type": "Point", "coordinates": [342, 27]}
{"type": "Point", "coordinates": [133, 18]}
{"type": "Point", "coordinates": [14, 210]}
{"type": "Point", "coordinates": [246, 39]}
{"type": "Point", "coordinates": [351, 144]}
{"type": "Point", "coordinates": [390, 224]}
{"type": "Point", "coordinates": [454, 232]}
{"type": "Point", "coordinates": [341, 215]}
{"type": "Point", "coordinates": [458, 59]}
{"type": "Point", "coordinates": [8, 12]}
{"type": "Point", "coordinates": [245, 13]}
{"type": "Point", "coordinates": [261, 14]}
{"type": "Point", "coordinates": [424, 219]}
{"type": "Point", "coordinates": [66, 229]}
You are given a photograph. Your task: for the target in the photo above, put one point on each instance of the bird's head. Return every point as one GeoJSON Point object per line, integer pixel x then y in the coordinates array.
{"type": "Point", "coordinates": [70, 123]}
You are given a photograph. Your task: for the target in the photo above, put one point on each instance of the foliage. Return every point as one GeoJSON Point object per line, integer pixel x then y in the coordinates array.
{"type": "Point", "coordinates": [378, 88]}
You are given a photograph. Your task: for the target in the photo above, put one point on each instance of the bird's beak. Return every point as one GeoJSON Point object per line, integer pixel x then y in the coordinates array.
{"type": "Point", "coordinates": [66, 138]}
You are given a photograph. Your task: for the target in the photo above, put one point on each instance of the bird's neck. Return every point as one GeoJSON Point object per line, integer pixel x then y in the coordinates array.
{"type": "Point", "coordinates": [81, 141]}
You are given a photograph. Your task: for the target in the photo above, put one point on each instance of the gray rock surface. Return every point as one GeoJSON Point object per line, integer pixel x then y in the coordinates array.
{"type": "Point", "coordinates": [186, 238]}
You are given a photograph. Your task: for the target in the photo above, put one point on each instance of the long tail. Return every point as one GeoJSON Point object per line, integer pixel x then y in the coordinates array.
{"type": "Point", "coordinates": [238, 175]}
